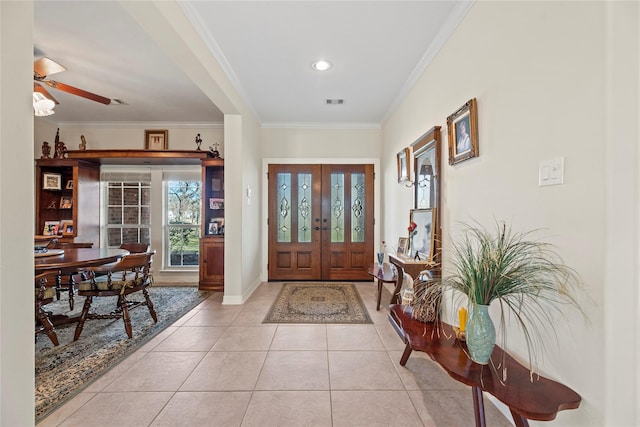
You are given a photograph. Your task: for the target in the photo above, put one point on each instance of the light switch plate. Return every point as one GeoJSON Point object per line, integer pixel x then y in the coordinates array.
{"type": "Point", "coordinates": [551, 172]}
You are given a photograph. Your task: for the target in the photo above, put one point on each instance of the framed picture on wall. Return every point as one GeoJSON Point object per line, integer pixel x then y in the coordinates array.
{"type": "Point", "coordinates": [423, 239]}
{"type": "Point", "coordinates": [462, 127]}
{"type": "Point", "coordinates": [156, 139]}
{"type": "Point", "coordinates": [404, 165]}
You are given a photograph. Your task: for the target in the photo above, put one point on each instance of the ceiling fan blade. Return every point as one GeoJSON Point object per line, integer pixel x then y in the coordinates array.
{"type": "Point", "coordinates": [75, 91]}
{"type": "Point", "coordinates": [38, 88]}
{"type": "Point", "coordinates": [45, 66]}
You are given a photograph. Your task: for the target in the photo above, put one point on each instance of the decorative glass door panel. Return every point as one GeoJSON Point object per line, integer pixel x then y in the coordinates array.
{"type": "Point", "coordinates": [332, 218]}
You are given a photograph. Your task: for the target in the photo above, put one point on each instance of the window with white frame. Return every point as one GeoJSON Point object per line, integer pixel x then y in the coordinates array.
{"type": "Point", "coordinates": [182, 225]}
{"type": "Point", "coordinates": [128, 207]}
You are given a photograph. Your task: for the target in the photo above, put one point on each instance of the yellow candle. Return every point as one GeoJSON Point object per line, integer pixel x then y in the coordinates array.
{"type": "Point", "coordinates": [462, 318]}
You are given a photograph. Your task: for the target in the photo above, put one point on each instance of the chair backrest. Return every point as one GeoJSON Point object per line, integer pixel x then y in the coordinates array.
{"type": "Point", "coordinates": [133, 261]}
{"type": "Point", "coordinates": [135, 248]}
{"type": "Point", "coordinates": [139, 263]}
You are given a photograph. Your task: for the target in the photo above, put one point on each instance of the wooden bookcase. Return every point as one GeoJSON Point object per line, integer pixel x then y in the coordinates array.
{"type": "Point", "coordinates": [212, 240]}
{"type": "Point", "coordinates": [68, 190]}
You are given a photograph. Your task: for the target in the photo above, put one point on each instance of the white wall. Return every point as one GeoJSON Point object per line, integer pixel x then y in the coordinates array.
{"type": "Point", "coordinates": [321, 142]}
{"type": "Point", "coordinates": [538, 71]}
{"type": "Point", "coordinates": [16, 214]}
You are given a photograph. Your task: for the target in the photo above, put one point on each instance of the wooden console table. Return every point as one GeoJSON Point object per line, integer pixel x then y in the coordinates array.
{"type": "Point", "coordinates": [409, 265]}
{"type": "Point", "coordinates": [534, 398]}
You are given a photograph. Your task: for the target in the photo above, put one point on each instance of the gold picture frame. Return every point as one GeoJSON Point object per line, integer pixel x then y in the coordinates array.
{"type": "Point", "coordinates": [404, 165]}
{"type": "Point", "coordinates": [462, 127]}
{"type": "Point", "coordinates": [156, 139]}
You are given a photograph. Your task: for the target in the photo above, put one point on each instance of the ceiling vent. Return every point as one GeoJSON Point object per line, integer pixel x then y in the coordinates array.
{"type": "Point", "coordinates": [335, 101]}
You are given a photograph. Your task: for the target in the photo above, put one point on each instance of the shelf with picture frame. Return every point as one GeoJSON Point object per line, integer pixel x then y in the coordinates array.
{"type": "Point", "coordinates": [212, 233]}
{"type": "Point", "coordinates": [68, 190]}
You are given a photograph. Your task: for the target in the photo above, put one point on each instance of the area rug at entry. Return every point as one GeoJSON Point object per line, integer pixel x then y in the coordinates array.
{"type": "Point", "coordinates": [318, 303]}
{"type": "Point", "coordinates": [61, 372]}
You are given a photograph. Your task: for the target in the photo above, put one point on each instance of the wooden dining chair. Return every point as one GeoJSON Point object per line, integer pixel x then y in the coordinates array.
{"type": "Point", "coordinates": [67, 279]}
{"type": "Point", "coordinates": [130, 274]}
{"type": "Point", "coordinates": [45, 291]}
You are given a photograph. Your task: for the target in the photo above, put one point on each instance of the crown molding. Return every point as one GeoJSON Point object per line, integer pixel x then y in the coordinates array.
{"type": "Point", "coordinates": [137, 125]}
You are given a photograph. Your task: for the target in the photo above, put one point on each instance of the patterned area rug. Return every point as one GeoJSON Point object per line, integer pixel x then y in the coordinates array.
{"type": "Point", "coordinates": [318, 303]}
{"type": "Point", "coordinates": [62, 372]}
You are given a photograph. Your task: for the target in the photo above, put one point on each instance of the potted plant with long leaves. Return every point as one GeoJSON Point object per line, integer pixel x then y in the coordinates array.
{"type": "Point", "coordinates": [525, 276]}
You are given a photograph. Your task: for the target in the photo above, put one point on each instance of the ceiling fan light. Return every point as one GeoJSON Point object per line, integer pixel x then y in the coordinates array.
{"type": "Point", "coordinates": [42, 103]}
{"type": "Point", "coordinates": [43, 113]}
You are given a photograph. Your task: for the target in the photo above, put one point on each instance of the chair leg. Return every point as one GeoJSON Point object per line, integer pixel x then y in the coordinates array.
{"type": "Point", "coordinates": [125, 315]}
{"type": "Point", "coordinates": [58, 285]}
{"type": "Point", "coordinates": [71, 286]}
{"type": "Point", "coordinates": [152, 310]}
{"type": "Point", "coordinates": [47, 325]}
{"type": "Point", "coordinates": [83, 317]}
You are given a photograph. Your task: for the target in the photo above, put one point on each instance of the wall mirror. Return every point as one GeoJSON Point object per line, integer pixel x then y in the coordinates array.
{"type": "Point", "coordinates": [426, 180]}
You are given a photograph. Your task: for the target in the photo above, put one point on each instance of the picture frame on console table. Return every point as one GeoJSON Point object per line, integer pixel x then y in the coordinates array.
{"type": "Point", "coordinates": [403, 245]}
{"type": "Point", "coordinates": [424, 238]}
{"type": "Point", "coordinates": [157, 139]}
{"type": "Point", "coordinates": [462, 128]}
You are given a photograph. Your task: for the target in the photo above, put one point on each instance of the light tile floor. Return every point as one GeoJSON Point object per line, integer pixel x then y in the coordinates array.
{"type": "Point", "coordinates": [220, 366]}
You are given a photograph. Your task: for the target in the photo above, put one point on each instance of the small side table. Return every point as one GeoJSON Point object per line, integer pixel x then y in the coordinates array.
{"type": "Point", "coordinates": [385, 273]}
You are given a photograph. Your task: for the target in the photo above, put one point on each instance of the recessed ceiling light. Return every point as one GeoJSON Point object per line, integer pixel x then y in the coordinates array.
{"type": "Point", "coordinates": [321, 65]}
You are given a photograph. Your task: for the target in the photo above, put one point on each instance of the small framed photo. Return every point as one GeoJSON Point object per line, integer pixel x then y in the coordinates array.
{"type": "Point", "coordinates": [51, 228]}
{"type": "Point", "coordinates": [216, 203]}
{"type": "Point", "coordinates": [66, 202]}
{"type": "Point", "coordinates": [462, 127]}
{"type": "Point", "coordinates": [51, 181]}
{"type": "Point", "coordinates": [213, 227]}
{"type": "Point", "coordinates": [423, 238]}
{"type": "Point", "coordinates": [66, 227]}
{"type": "Point", "coordinates": [156, 139]}
{"type": "Point", "coordinates": [404, 165]}
{"type": "Point", "coordinates": [403, 246]}
{"type": "Point", "coordinates": [69, 185]}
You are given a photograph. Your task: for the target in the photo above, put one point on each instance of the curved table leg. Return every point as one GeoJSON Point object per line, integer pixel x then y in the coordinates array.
{"type": "Point", "coordinates": [406, 354]}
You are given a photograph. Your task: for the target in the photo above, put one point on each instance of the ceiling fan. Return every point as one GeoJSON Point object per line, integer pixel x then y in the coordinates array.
{"type": "Point", "coordinates": [43, 67]}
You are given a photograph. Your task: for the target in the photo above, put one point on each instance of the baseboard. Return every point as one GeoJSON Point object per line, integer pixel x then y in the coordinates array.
{"type": "Point", "coordinates": [241, 299]}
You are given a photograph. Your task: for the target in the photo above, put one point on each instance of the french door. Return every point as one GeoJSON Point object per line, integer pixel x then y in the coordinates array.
{"type": "Point", "coordinates": [320, 222]}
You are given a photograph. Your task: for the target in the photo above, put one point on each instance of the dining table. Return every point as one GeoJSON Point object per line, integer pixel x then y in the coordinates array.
{"type": "Point", "coordinates": [76, 258]}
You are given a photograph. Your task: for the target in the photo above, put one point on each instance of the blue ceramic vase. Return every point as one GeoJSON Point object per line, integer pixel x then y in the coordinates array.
{"type": "Point", "coordinates": [481, 334]}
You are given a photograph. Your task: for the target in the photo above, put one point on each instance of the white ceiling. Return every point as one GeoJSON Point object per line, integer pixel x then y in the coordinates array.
{"type": "Point", "coordinates": [378, 49]}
